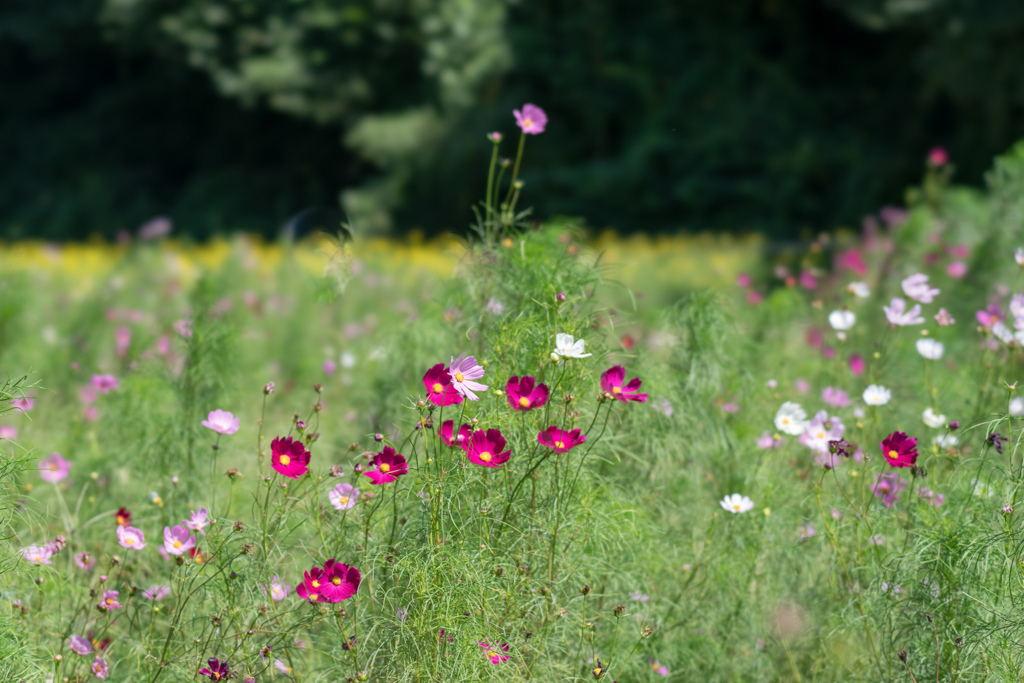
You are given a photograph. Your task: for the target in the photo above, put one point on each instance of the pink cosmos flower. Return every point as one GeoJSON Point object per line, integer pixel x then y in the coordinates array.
{"type": "Point", "coordinates": [99, 668]}
{"type": "Point", "coordinates": [857, 364]}
{"type": "Point", "coordinates": [463, 370]}
{"type": "Point", "coordinates": [178, 540]}
{"type": "Point", "coordinates": [23, 404]}
{"type": "Point", "coordinates": [744, 280]}
{"type": "Point", "coordinates": [802, 385]}
{"type": "Point", "coordinates": [123, 339]}
{"type": "Point", "coordinates": [80, 645]}
{"type": "Point", "coordinates": [897, 314]}
{"type": "Point", "coordinates": [54, 468]}
{"type": "Point", "coordinates": [439, 389]}
{"type": "Point", "coordinates": [917, 288]}
{"type": "Point", "coordinates": [525, 393]}
{"type": "Point", "coordinates": [956, 269]}
{"type": "Point", "coordinates": [837, 398]}
{"type": "Point", "coordinates": [312, 585]}
{"type": "Point", "coordinates": [343, 496]}
{"type": "Point", "coordinates": [109, 601]}
{"type": "Point", "coordinates": [222, 422]}
{"type": "Point", "coordinates": [495, 653]}
{"type": "Point", "coordinates": [807, 280]}
{"type": "Point", "coordinates": [329, 367]}
{"type": "Point", "coordinates": [289, 457]}
{"type": "Point", "coordinates": [938, 157]}
{"type": "Point", "coordinates": [156, 592]}
{"type": "Point", "coordinates": [561, 440]}
{"type": "Point", "coordinates": [183, 327]}
{"type": "Point", "coordinates": [658, 668]}
{"type": "Point", "coordinates": [899, 450]}
{"type": "Point", "coordinates": [8, 432]}
{"type": "Point", "coordinates": [821, 430]}
{"type": "Point", "coordinates": [90, 414]}
{"type": "Point", "coordinates": [990, 316]}
{"type": "Point", "coordinates": [851, 259]}
{"type": "Point", "coordinates": [155, 228]}
{"type": "Point", "coordinates": [37, 554]}
{"type": "Point", "coordinates": [485, 448]}
{"type": "Point", "coordinates": [103, 383]}
{"type": "Point", "coordinates": [611, 381]}
{"type": "Point", "coordinates": [531, 120]}
{"type": "Point", "coordinates": [943, 318]}
{"type": "Point", "coordinates": [282, 667]}
{"type": "Point", "coordinates": [279, 590]}
{"type": "Point", "coordinates": [340, 581]}
{"type": "Point", "coordinates": [130, 537]}
{"type": "Point", "coordinates": [451, 439]}
{"type": "Point", "coordinates": [198, 521]}
{"type": "Point", "coordinates": [754, 297]}
{"type": "Point", "coordinates": [767, 440]}
{"type": "Point", "coordinates": [887, 487]}
{"type": "Point", "coordinates": [388, 466]}
{"type": "Point", "coordinates": [85, 561]}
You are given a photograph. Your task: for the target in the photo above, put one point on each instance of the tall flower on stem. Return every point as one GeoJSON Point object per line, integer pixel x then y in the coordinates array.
{"type": "Point", "coordinates": [130, 537]}
{"type": "Point", "coordinates": [612, 381]}
{"type": "Point", "coordinates": [340, 581]}
{"type": "Point", "coordinates": [463, 371]}
{"type": "Point", "coordinates": [450, 438]}
{"type": "Point", "coordinates": [198, 520]}
{"type": "Point", "coordinates": [439, 387]}
{"type": "Point", "coordinates": [485, 449]}
{"type": "Point", "coordinates": [222, 422]}
{"type": "Point", "coordinates": [567, 347]}
{"type": "Point", "coordinates": [216, 670]}
{"type": "Point", "coordinates": [899, 450]}
{"type": "Point", "coordinates": [54, 468]}
{"type": "Point", "coordinates": [343, 496]}
{"type": "Point", "coordinates": [389, 466]}
{"type": "Point", "coordinates": [177, 540]}
{"type": "Point", "coordinates": [531, 119]}
{"type": "Point", "coordinates": [289, 457]}
{"type": "Point", "coordinates": [560, 440]}
{"type": "Point", "coordinates": [526, 393]}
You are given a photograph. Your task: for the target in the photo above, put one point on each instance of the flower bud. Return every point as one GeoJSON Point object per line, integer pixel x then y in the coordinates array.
{"type": "Point", "coordinates": [268, 388]}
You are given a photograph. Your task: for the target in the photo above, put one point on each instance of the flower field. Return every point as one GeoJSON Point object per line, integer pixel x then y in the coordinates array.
{"type": "Point", "coordinates": [527, 455]}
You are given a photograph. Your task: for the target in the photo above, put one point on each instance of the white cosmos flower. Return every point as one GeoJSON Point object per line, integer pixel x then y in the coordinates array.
{"type": "Point", "coordinates": [876, 395]}
{"type": "Point", "coordinates": [791, 419]}
{"type": "Point", "coordinates": [1017, 406]}
{"type": "Point", "coordinates": [859, 289]}
{"type": "Point", "coordinates": [566, 347]}
{"type": "Point", "coordinates": [946, 441]}
{"type": "Point", "coordinates": [930, 348]}
{"type": "Point", "coordinates": [737, 503]}
{"type": "Point", "coordinates": [982, 489]}
{"type": "Point", "coordinates": [932, 419]}
{"type": "Point", "coordinates": [841, 320]}
{"type": "Point", "coordinates": [1019, 256]}
{"type": "Point", "coordinates": [1002, 333]}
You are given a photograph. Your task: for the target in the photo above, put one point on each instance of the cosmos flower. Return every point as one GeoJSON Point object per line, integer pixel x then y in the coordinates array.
{"type": "Point", "coordinates": [8, 432]}
{"type": "Point", "coordinates": [859, 289]}
{"type": "Point", "coordinates": [611, 381]}
{"type": "Point", "coordinates": [990, 316]}
{"type": "Point", "coordinates": [658, 667]}
{"type": "Point", "coordinates": [439, 389]}
{"type": "Point", "coordinates": [938, 156]}
{"type": "Point", "coordinates": [216, 670]}
{"type": "Point", "coordinates": [768, 440]}
{"type": "Point", "coordinates": [23, 404]}
{"type": "Point", "coordinates": [876, 395]}
{"type": "Point", "coordinates": [340, 581]}
{"type": "Point", "coordinates": [842, 320]}
{"type": "Point", "coordinates": [37, 554]}
{"type": "Point", "coordinates": [123, 517]}
{"type": "Point", "coordinates": [566, 347]}
{"type": "Point", "coordinates": [736, 503]}
{"type": "Point", "coordinates": [495, 653]}
{"type": "Point", "coordinates": [54, 468]}
{"type": "Point", "coordinates": [486, 448]}
{"type": "Point", "coordinates": [451, 439]}
{"type": "Point", "coordinates": [156, 592]}
{"type": "Point", "coordinates": [525, 393]}
{"type": "Point", "coordinates": [289, 457]}
{"type": "Point", "coordinates": [278, 590]}
{"type": "Point", "coordinates": [99, 667]}
{"type": "Point", "coordinates": [930, 348]}
{"type": "Point", "coordinates": [821, 430]}
{"type": "Point", "coordinates": [837, 398]}
{"type": "Point", "coordinates": [943, 318]}
{"type": "Point", "coordinates": [899, 450]}
{"type": "Point", "coordinates": [343, 496]}
{"type": "Point", "coordinates": [887, 486]}
{"type": "Point", "coordinates": [791, 419]}
{"type": "Point", "coordinates": [560, 440]}
{"type": "Point", "coordinates": [897, 314]}
{"type": "Point", "coordinates": [916, 287]}
{"type": "Point", "coordinates": [103, 383]}
{"type": "Point", "coordinates": [109, 601]}
{"type": "Point", "coordinates": [463, 371]}
{"type": "Point", "coordinates": [932, 419]}
{"type": "Point", "coordinates": [857, 364]}
{"type": "Point", "coordinates": [531, 119]}
{"type": "Point", "coordinates": [388, 466]}
{"type": "Point", "coordinates": [198, 521]}
{"type": "Point", "coordinates": [80, 645]}
{"type": "Point", "coordinates": [130, 537]}
{"type": "Point", "coordinates": [178, 540]}
{"type": "Point", "coordinates": [222, 422]}
{"type": "Point", "coordinates": [85, 561]}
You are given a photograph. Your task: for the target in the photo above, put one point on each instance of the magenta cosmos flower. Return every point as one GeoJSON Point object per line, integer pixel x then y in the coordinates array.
{"type": "Point", "coordinates": [23, 404]}
{"type": "Point", "coordinates": [103, 383]}
{"type": "Point", "coordinates": [109, 601]}
{"type": "Point", "coordinates": [525, 393]}
{"type": "Point", "coordinates": [495, 653]}
{"type": "Point", "coordinates": [80, 645]}
{"type": "Point", "coordinates": [463, 370]}
{"type": "Point", "coordinates": [222, 422]}
{"type": "Point", "coordinates": [177, 540]}
{"type": "Point", "coordinates": [289, 457]}
{"type": "Point", "coordinates": [130, 537]}
{"type": "Point", "coordinates": [333, 582]}
{"type": "Point", "coordinates": [446, 432]}
{"type": "Point", "coordinates": [439, 387]}
{"type": "Point", "coordinates": [485, 448]}
{"type": "Point", "coordinates": [198, 520]}
{"type": "Point", "coordinates": [54, 468]}
{"type": "Point", "coordinates": [388, 466]}
{"type": "Point", "coordinates": [561, 440]}
{"type": "Point", "coordinates": [343, 496]}
{"type": "Point", "coordinates": [611, 381]}
{"type": "Point", "coordinates": [216, 670]}
{"type": "Point", "coordinates": [99, 667]}
{"type": "Point", "coordinates": [899, 450]}
{"type": "Point", "coordinates": [531, 119]}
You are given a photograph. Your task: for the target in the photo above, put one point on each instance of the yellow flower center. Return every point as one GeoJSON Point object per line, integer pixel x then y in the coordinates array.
{"type": "Point", "coordinates": [313, 596]}
{"type": "Point", "coordinates": [821, 435]}
{"type": "Point", "coordinates": [527, 123]}
{"type": "Point", "coordinates": [654, 666]}
{"type": "Point", "coordinates": [437, 388]}
{"type": "Point", "coordinates": [485, 456]}
{"type": "Point", "coordinates": [109, 601]}
{"type": "Point", "coordinates": [316, 584]}
{"type": "Point", "coordinates": [785, 420]}
{"type": "Point", "coordinates": [336, 581]}
{"type": "Point", "coordinates": [285, 460]}
{"type": "Point", "coordinates": [893, 454]}
{"type": "Point", "coordinates": [384, 467]}
{"type": "Point", "coordinates": [492, 653]}
{"type": "Point", "coordinates": [120, 519]}
{"type": "Point", "coordinates": [616, 390]}
{"type": "Point", "coordinates": [343, 500]}
{"type": "Point", "coordinates": [39, 558]}
{"type": "Point", "coordinates": [216, 676]}
{"type": "Point", "coordinates": [177, 544]}
{"type": "Point", "coordinates": [559, 444]}
{"type": "Point", "coordinates": [524, 402]}
{"type": "Point", "coordinates": [129, 541]}
{"type": "Point", "coordinates": [736, 507]}
{"type": "Point", "coordinates": [459, 377]}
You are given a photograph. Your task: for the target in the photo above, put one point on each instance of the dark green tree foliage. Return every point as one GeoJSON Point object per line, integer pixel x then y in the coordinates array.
{"type": "Point", "coordinates": [749, 114]}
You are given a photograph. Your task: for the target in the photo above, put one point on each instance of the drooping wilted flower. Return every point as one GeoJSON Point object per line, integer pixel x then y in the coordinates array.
{"type": "Point", "coordinates": [997, 440]}
{"type": "Point", "coordinates": [216, 670]}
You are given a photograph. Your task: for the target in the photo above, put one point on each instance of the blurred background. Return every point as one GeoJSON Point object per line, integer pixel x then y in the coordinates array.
{"type": "Point", "coordinates": [781, 117]}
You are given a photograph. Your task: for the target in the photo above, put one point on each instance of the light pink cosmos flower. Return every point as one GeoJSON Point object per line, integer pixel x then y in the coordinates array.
{"type": "Point", "coordinates": [104, 383]}
{"type": "Point", "coordinates": [177, 540]}
{"type": "Point", "coordinates": [37, 554]}
{"type": "Point", "coordinates": [658, 667]}
{"type": "Point", "coordinates": [343, 496]}
{"type": "Point", "coordinates": [956, 269]}
{"type": "Point", "coordinates": [837, 398]}
{"type": "Point", "coordinates": [897, 314]}
{"type": "Point", "coordinates": [282, 667]}
{"type": "Point", "coordinates": [123, 339]}
{"type": "Point", "coordinates": [85, 561]}
{"type": "Point", "coordinates": [183, 327]}
{"type": "Point", "coordinates": [768, 440]}
{"type": "Point", "coordinates": [531, 120]}
{"type": "Point", "coordinates": [8, 432]}
{"type": "Point", "coordinates": [157, 592]}
{"type": "Point", "coordinates": [198, 521]}
{"type": "Point", "coordinates": [54, 468]}
{"type": "Point", "coordinates": [990, 316]}
{"type": "Point", "coordinates": [821, 430]}
{"type": "Point", "coordinates": [943, 318]}
{"type": "Point", "coordinates": [109, 601]}
{"type": "Point", "coordinates": [916, 287]}
{"type": "Point", "coordinates": [329, 367]}
{"type": "Point", "coordinates": [23, 404]}
{"type": "Point", "coordinates": [463, 370]}
{"type": "Point", "coordinates": [80, 645]}
{"type": "Point", "coordinates": [279, 591]}
{"type": "Point", "coordinates": [99, 668]}
{"type": "Point", "coordinates": [222, 422]}
{"type": "Point", "coordinates": [130, 537]}
{"type": "Point", "coordinates": [155, 228]}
